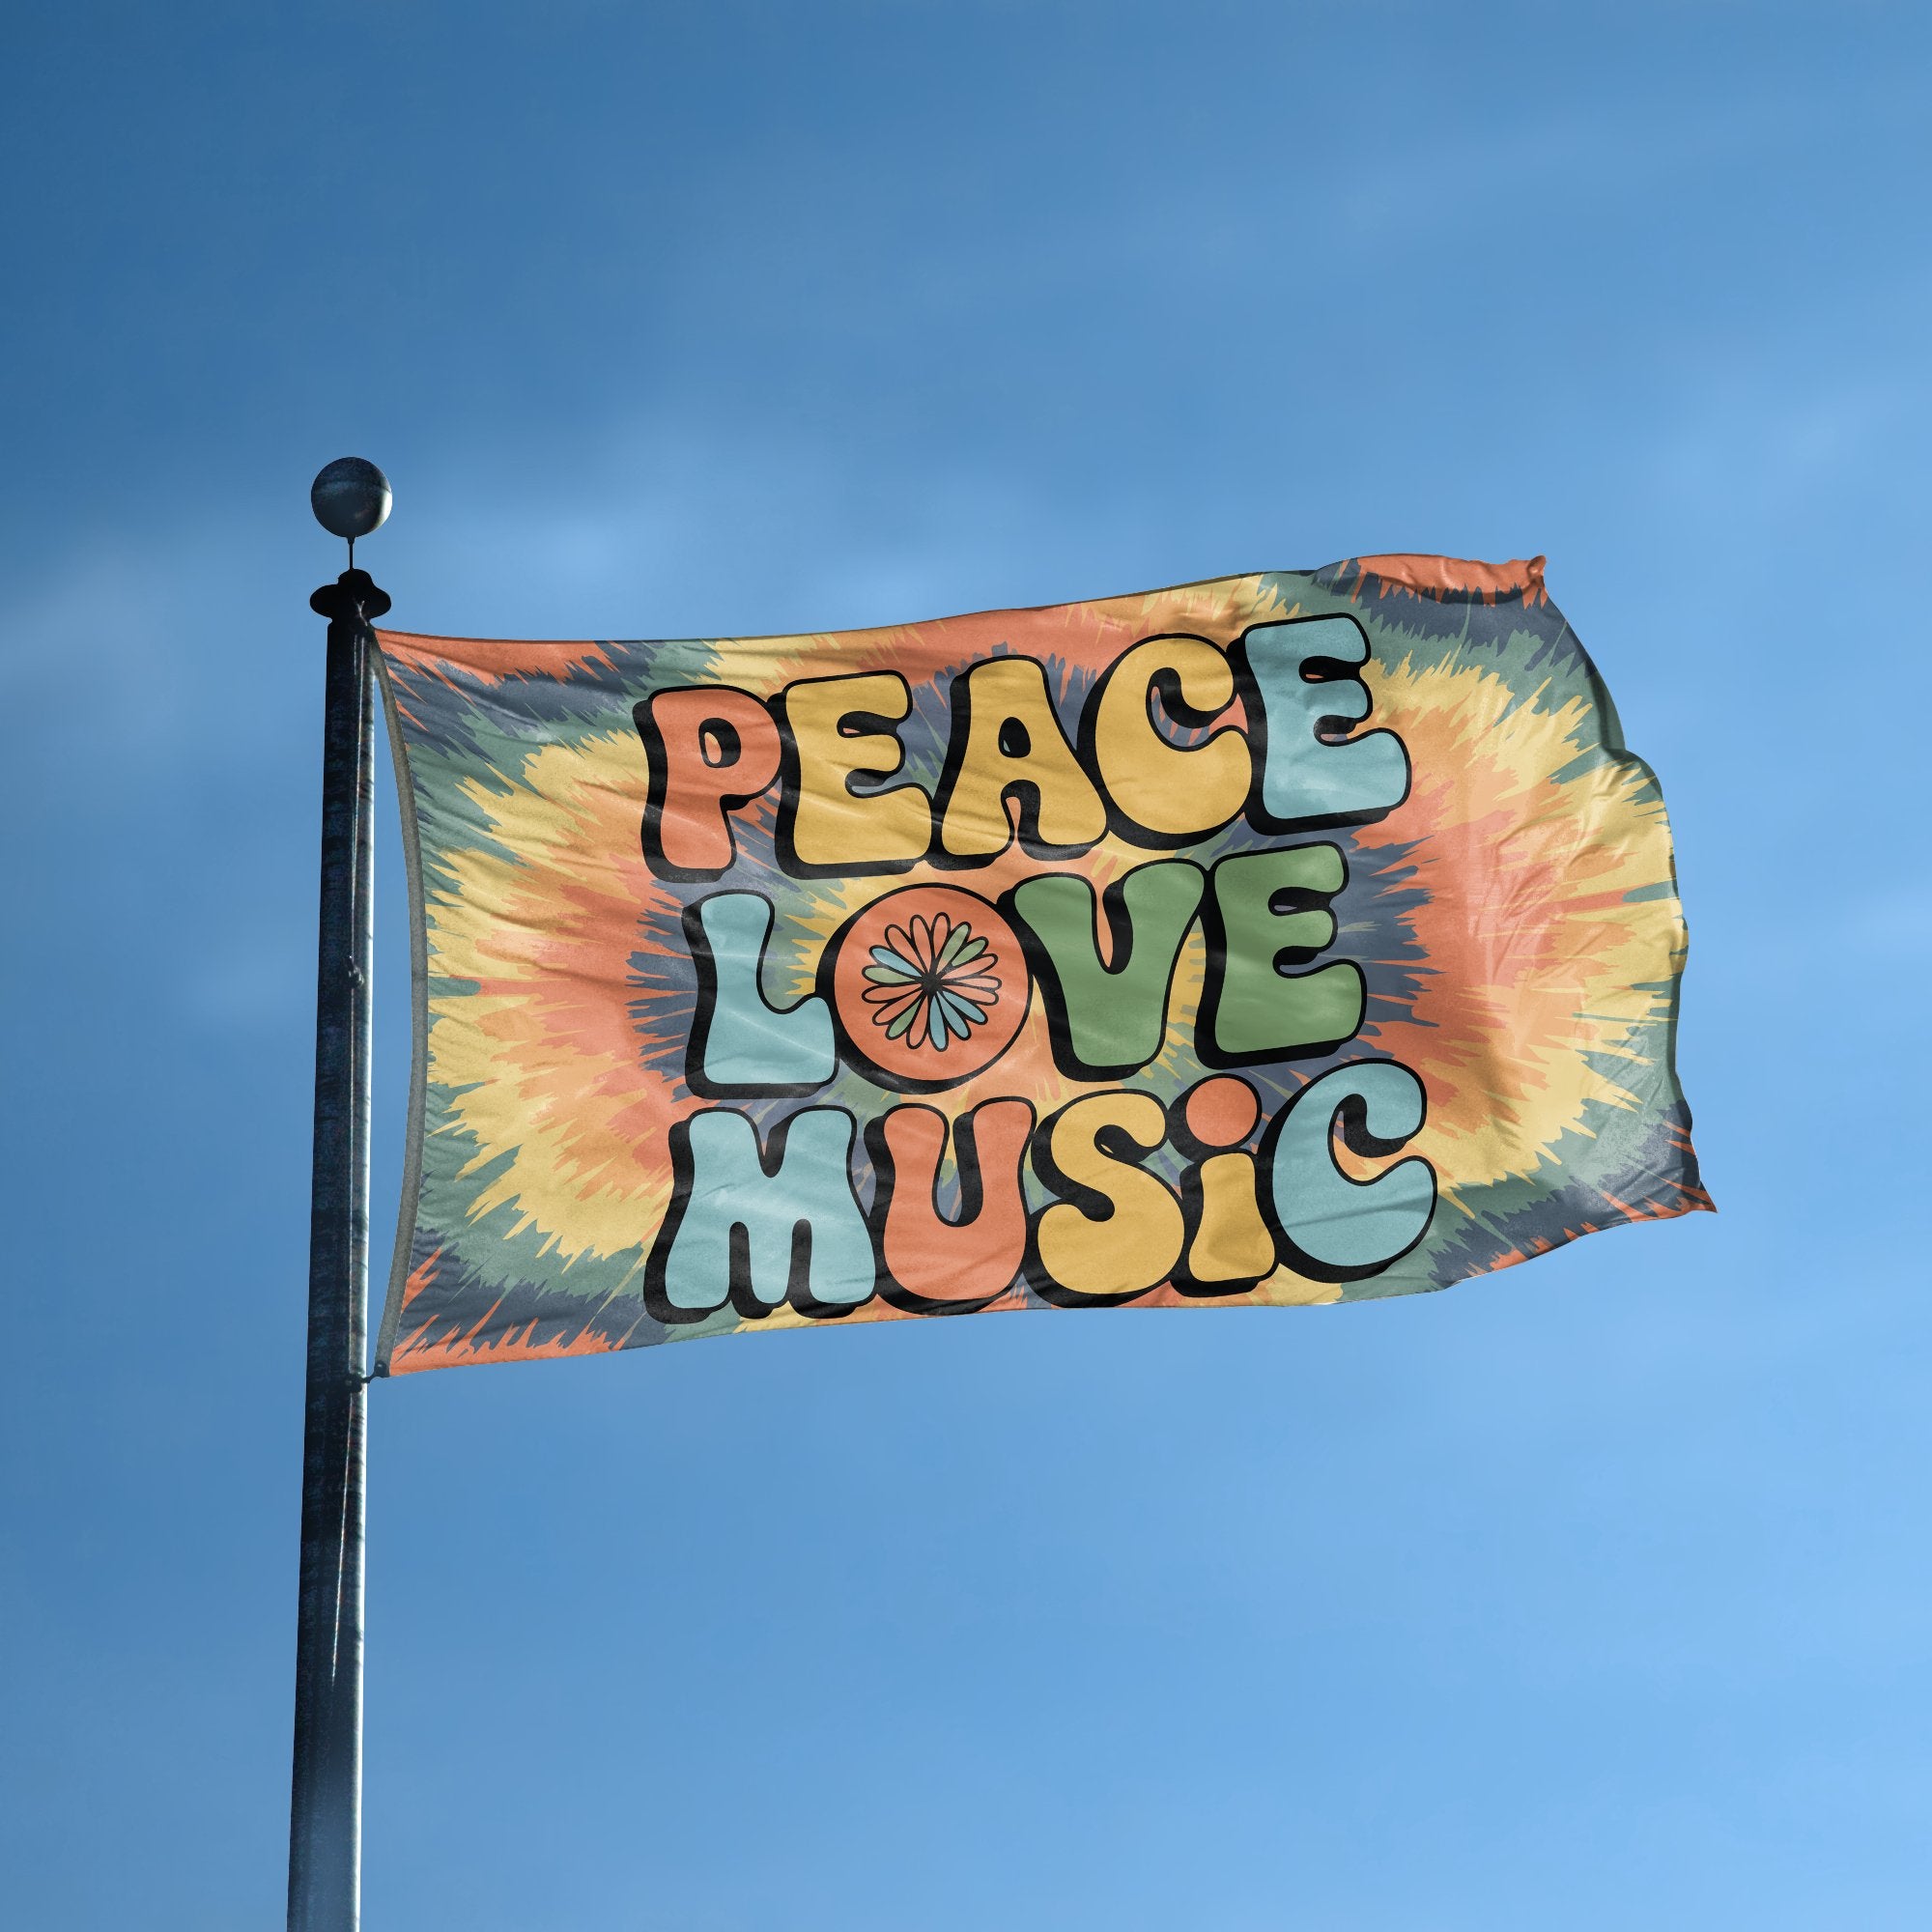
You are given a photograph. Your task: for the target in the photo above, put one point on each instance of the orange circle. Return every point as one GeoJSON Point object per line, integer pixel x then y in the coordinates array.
{"type": "Point", "coordinates": [929, 986]}
{"type": "Point", "coordinates": [1222, 1112]}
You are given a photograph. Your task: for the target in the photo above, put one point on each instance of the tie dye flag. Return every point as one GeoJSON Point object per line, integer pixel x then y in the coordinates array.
{"type": "Point", "coordinates": [1280, 940]}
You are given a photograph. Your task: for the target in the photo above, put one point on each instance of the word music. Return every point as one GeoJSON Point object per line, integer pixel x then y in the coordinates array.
{"type": "Point", "coordinates": [929, 985]}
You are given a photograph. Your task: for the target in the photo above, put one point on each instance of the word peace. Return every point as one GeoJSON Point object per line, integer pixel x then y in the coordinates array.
{"type": "Point", "coordinates": [830, 745]}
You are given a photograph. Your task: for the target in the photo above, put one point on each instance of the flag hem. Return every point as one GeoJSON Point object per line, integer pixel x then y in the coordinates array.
{"type": "Point", "coordinates": [409, 1200]}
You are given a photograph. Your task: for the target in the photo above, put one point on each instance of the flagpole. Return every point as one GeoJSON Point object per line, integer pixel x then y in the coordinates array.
{"type": "Point", "coordinates": [351, 498]}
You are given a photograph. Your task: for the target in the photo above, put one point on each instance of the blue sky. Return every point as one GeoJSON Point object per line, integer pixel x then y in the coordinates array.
{"type": "Point", "coordinates": [1591, 1594]}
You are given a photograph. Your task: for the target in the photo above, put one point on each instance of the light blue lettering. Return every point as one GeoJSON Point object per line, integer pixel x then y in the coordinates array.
{"type": "Point", "coordinates": [1338, 1228]}
{"type": "Point", "coordinates": [749, 1046]}
{"type": "Point", "coordinates": [1304, 779]}
{"type": "Point", "coordinates": [725, 1186]}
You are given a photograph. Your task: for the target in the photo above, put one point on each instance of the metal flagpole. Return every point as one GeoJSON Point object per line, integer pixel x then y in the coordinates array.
{"type": "Point", "coordinates": [351, 498]}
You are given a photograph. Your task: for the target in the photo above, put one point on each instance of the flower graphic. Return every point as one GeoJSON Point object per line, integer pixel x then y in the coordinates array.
{"type": "Point", "coordinates": [930, 986]}
{"type": "Point", "coordinates": [932, 981]}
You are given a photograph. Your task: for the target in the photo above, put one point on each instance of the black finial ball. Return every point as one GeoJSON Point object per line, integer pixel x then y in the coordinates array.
{"type": "Point", "coordinates": [349, 498]}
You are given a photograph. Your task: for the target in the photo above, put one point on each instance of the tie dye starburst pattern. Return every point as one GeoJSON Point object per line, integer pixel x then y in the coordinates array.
{"type": "Point", "coordinates": [1284, 939]}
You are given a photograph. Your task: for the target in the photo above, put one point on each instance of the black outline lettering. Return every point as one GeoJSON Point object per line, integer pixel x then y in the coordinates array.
{"type": "Point", "coordinates": [738, 1289]}
{"type": "Point", "coordinates": [705, 963]}
{"type": "Point", "coordinates": [1284, 900]}
{"type": "Point", "coordinates": [1329, 731]}
{"type": "Point", "coordinates": [1019, 797]}
{"type": "Point", "coordinates": [1119, 951]}
{"type": "Point", "coordinates": [962, 1136]}
{"type": "Point", "coordinates": [869, 723]}
{"type": "Point", "coordinates": [1116, 1145]}
{"type": "Point", "coordinates": [657, 761]}
{"type": "Point", "coordinates": [1192, 1199]}
{"type": "Point", "coordinates": [1164, 689]}
{"type": "Point", "coordinates": [1351, 1117]}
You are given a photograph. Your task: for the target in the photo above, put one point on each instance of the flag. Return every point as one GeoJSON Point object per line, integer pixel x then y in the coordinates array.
{"type": "Point", "coordinates": [1280, 940]}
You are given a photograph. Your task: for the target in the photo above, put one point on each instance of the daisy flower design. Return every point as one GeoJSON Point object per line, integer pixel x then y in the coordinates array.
{"type": "Point", "coordinates": [932, 981]}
